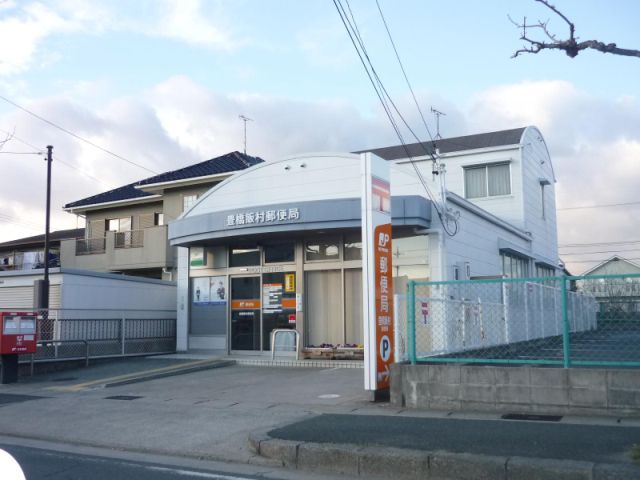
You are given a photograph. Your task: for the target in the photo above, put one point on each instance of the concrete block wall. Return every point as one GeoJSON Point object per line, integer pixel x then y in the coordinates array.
{"type": "Point", "coordinates": [517, 389]}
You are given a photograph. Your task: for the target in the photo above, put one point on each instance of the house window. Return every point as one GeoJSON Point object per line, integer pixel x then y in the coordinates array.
{"type": "Point", "coordinates": [188, 201]}
{"type": "Point", "coordinates": [514, 266]}
{"type": "Point", "coordinates": [542, 271]}
{"type": "Point", "coordinates": [118, 224]}
{"type": "Point", "coordinates": [487, 180]}
{"type": "Point", "coordinates": [158, 219]}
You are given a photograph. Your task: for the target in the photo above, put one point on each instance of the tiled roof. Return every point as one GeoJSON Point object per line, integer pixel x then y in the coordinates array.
{"type": "Point", "coordinates": [54, 237]}
{"type": "Point", "coordinates": [454, 144]}
{"type": "Point", "coordinates": [226, 163]}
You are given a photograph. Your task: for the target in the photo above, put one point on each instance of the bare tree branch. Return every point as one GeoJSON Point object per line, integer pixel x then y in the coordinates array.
{"type": "Point", "coordinates": [570, 46]}
{"type": "Point", "coordinates": [8, 138]}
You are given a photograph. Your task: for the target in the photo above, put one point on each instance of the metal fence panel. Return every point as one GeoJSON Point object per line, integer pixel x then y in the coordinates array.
{"type": "Point", "coordinates": [552, 320]}
{"type": "Point", "coordinates": [82, 334]}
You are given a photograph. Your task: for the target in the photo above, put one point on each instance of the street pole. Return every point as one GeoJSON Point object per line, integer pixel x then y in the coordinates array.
{"type": "Point", "coordinates": [41, 287]}
{"type": "Point", "coordinates": [46, 227]}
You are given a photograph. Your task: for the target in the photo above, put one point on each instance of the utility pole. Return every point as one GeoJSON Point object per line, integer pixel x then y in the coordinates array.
{"type": "Point", "coordinates": [46, 224]}
{"type": "Point", "coordinates": [437, 113]}
{"type": "Point", "coordinates": [41, 299]}
{"type": "Point", "coordinates": [245, 120]}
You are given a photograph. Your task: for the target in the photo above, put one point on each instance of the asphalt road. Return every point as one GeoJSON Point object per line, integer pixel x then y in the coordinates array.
{"type": "Point", "coordinates": [55, 465]}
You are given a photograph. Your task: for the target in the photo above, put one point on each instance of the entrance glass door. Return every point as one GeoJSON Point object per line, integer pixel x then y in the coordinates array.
{"type": "Point", "coordinates": [245, 313]}
{"type": "Point", "coordinates": [278, 304]}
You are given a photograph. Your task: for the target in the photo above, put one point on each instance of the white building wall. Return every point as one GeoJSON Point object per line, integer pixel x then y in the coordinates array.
{"type": "Point", "coordinates": [182, 325]}
{"type": "Point", "coordinates": [294, 179]}
{"type": "Point", "coordinates": [537, 165]}
{"type": "Point", "coordinates": [95, 292]}
{"type": "Point", "coordinates": [476, 242]}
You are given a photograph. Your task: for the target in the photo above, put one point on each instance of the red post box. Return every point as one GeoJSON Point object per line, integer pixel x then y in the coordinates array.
{"type": "Point", "coordinates": [18, 332]}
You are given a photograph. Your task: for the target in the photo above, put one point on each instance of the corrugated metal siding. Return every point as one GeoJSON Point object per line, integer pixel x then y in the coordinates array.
{"type": "Point", "coordinates": [22, 297]}
{"type": "Point", "coordinates": [16, 297]}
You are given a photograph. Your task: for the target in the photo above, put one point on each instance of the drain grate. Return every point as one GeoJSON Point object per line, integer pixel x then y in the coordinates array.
{"type": "Point", "coordinates": [123, 397]}
{"type": "Point", "coordinates": [64, 379]}
{"type": "Point", "coordinates": [532, 417]}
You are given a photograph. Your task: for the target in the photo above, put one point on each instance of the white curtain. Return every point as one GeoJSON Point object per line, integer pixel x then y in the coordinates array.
{"type": "Point", "coordinates": [499, 181]}
{"type": "Point", "coordinates": [475, 182]}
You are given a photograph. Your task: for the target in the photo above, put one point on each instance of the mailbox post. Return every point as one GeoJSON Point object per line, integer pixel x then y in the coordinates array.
{"type": "Point", "coordinates": [18, 335]}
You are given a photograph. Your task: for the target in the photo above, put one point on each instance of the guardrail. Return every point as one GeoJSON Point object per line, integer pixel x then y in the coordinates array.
{"type": "Point", "coordinates": [579, 320]}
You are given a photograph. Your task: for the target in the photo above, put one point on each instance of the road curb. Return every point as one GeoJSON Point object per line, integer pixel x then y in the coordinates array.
{"type": "Point", "coordinates": [406, 464]}
{"type": "Point", "coordinates": [171, 373]}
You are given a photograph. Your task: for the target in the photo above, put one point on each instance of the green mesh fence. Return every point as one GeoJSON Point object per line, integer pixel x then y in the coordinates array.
{"type": "Point", "coordinates": [592, 320]}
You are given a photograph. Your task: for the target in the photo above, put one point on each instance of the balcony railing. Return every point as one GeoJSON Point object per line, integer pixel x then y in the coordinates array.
{"type": "Point", "coordinates": [88, 246]}
{"type": "Point", "coordinates": [129, 239]}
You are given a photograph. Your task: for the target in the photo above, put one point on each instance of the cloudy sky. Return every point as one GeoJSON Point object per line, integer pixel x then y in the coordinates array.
{"type": "Point", "coordinates": [162, 82]}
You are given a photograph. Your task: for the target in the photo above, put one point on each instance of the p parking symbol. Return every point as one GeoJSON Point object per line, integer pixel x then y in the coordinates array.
{"type": "Point", "coordinates": [385, 348]}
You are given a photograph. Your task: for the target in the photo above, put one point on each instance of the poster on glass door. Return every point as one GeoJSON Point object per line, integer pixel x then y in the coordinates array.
{"type": "Point", "coordinates": [210, 290]}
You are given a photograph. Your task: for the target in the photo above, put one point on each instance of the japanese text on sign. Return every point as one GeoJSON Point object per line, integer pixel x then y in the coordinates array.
{"type": "Point", "coordinates": [263, 216]}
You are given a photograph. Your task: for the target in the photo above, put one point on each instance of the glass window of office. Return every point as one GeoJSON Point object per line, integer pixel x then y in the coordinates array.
{"type": "Point", "coordinates": [244, 256]}
{"type": "Point", "coordinates": [279, 253]}
{"type": "Point", "coordinates": [319, 250]}
{"type": "Point", "coordinates": [353, 247]}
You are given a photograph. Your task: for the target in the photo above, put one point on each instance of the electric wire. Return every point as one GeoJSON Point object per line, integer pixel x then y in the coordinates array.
{"type": "Point", "coordinates": [383, 96]}
{"type": "Point", "coordinates": [600, 244]}
{"type": "Point", "coordinates": [58, 159]}
{"type": "Point", "coordinates": [76, 136]}
{"type": "Point", "coordinates": [406, 78]}
{"type": "Point", "coordinates": [582, 207]}
{"type": "Point", "coordinates": [601, 251]}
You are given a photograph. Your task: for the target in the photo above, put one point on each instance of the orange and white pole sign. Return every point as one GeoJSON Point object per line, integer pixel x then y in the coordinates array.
{"type": "Point", "coordinates": [377, 272]}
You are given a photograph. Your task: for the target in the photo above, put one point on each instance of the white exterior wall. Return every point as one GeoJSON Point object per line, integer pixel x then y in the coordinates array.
{"type": "Point", "coordinates": [537, 165]}
{"type": "Point", "coordinates": [95, 292]}
{"type": "Point", "coordinates": [300, 178]}
{"type": "Point", "coordinates": [182, 325]}
{"type": "Point", "coordinates": [529, 162]}
{"type": "Point", "coordinates": [477, 243]}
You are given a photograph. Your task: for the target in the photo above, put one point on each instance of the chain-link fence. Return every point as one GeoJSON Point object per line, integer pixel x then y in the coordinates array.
{"type": "Point", "coordinates": [83, 334]}
{"type": "Point", "coordinates": [590, 320]}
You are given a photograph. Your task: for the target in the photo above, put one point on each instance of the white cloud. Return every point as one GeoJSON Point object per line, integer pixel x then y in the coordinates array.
{"type": "Point", "coordinates": [185, 20]}
{"type": "Point", "coordinates": [22, 34]}
{"type": "Point", "coordinates": [24, 27]}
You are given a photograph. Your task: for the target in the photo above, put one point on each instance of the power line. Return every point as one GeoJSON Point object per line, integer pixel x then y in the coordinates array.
{"type": "Point", "coordinates": [403, 70]}
{"type": "Point", "coordinates": [58, 159]}
{"type": "Point", "coordinates": [22, 153]}
{"type": "Point", "coordinates": [600, 206]}
{"type": "Point", "coordinates": [599, 261]}
{"type": "Point", "coordinates": [383, 96]}
{"type": "Point", "coordinates": [17, 221]}
{"type": "Point", "coordinates": [601, 244]}
{"type": "Point", "coordinates": [602, 251]}
{"type": "Point", "coordinates": [75, 135]}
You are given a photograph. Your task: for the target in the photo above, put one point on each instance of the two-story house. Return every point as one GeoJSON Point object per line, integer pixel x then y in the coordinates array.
{"type": "Point", "coordinates": [126, 228]}
{"type": "Point", "coordinates": [279, 245]}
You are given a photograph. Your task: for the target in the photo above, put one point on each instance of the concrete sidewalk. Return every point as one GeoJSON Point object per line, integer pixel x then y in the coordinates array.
{"type": "Point", "coordinates": [211, 414]}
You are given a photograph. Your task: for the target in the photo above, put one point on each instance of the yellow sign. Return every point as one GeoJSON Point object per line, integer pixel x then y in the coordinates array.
{"type": "Point", "coordinates": [290, 282]}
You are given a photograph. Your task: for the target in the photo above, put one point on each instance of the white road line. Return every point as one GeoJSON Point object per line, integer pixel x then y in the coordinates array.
{"type": "Point", "coordinates": [192, 473]}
